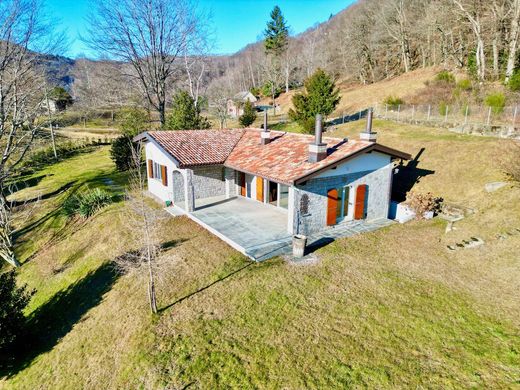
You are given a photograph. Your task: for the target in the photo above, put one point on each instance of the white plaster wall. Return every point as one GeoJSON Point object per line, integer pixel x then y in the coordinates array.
{"type": "Point", "coordinates": [155, 153]}
{"type": "Point", "coordinates": [365, 162]}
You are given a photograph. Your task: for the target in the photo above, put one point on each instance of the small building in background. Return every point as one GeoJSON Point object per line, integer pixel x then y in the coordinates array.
{"type": "Point", "coordinates": [235, 106]}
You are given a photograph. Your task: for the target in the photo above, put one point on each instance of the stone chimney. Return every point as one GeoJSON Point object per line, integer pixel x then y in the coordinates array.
{"type": "Point", "coordinates": [368, 134]}
{"type": "Point", "coordinates": [317, 150]}
{"type": "Point", "coordinates": [265, 136]}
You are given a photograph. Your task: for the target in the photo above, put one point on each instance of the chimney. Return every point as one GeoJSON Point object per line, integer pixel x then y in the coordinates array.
{"type": "Point", "coordinates": [265, 136]}
{"type": "Point", "coordinates": [368, 134]}
{"type": "Point", "coordinates": [317, 150]}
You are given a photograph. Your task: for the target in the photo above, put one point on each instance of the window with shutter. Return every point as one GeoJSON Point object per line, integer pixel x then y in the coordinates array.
{"type": "Point", "coordinates": [164, 175]}
{"type": "Point", "coordinates": [150, 168]}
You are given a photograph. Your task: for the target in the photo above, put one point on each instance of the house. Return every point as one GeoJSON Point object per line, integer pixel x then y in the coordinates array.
{"type": "Point", "coordinates": [264, 186]}
{"type": "Point", "coordinates": [235, 106]}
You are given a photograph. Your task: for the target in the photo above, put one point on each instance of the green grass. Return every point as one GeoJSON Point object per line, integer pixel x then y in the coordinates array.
{"type": "Point", "coordinates": [385, 309]}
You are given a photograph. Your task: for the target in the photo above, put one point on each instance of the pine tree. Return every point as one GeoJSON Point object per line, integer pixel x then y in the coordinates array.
{"type": "Point", "coordinates": [185, 114]}
{"type": "Point", "coordinates": [276, 34]}
{"type": "Point", "coordinates": [249, 115]}
{"type": "Point", "coordinates": [320, 97]}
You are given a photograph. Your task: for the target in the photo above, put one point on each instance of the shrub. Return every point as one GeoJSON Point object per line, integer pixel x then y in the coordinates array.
{"type": "Point", "coordinates": [514, 81]}
{"type": "Point", "coordinates": [87, 203]}
{"type": "Point", "coordinates": [121, 153]}
{"type": "Point", "coordinates": [249, 115]}
{"type": "Point", "coordinates": [510, 161]}
{"type": "Point", "coordinates": [393, 102]}
{"type": "Point", "coordinates": [255, 91]}
{"type": "Point", "coordinates": [464, 84]}
{"type": "Point", "coordinates": [13, 300]}
{"type": "Point", "coordinates": [445, 77]}
{"type": "Point", "coordinates": [443, 108]}
{"type": "Point", "coordinates": [496, 101]}
{"type": "Point", "coordinates": [423, 203]}
{"type": "Point", "coordinates": [267, 91]}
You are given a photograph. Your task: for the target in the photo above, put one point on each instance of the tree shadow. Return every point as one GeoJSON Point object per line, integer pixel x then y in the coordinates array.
{"type": "Point", "coordinates": [221, 279]}
{"type": "Point", "coordinates": [63, 188]}
{"type": "Point", "coordinates": [348, 118]}
{"type": "Point", "coordinates": [47, 325]}
{"type": "Point", "coordinates": [407, 176]}
{"type": "Point", "coordinates": [23, 182]}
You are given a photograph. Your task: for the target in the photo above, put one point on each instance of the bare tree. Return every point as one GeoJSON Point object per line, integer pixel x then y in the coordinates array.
{"type": "Point", "coordinates": [24, 30]}
{"type": "Point", "coordinates": [142, 223]}
{"type": "Point", "coordinates": [514, 32]}
{"type": "Point", "coordinates": [150, 35]}
{"type": "Point", "coordinates": [219, 93]}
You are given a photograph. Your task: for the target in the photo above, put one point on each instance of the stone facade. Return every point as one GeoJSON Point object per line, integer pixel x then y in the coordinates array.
{"type": "Point", "coordinates": [379, 185]}
{"type": "Point", "coordinates": [208, 181]}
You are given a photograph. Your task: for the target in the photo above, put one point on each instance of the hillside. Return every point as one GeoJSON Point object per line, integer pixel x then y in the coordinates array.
{"type": "Point", "coordinates": [385, 309]}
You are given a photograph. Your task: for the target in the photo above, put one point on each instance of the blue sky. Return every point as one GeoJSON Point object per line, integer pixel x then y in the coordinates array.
{"type": "Point", "coordinates": [235, 22]}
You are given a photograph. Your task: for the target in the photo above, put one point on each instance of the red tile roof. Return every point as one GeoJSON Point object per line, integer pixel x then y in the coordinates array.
{"type": "Point", "coordinates": [198, 147]}
{"type": "Point", "coordinates": [283, 160]}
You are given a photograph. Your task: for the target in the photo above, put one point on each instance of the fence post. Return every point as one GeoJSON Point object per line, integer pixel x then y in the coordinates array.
{"type": "Point", "coordinates": [386, 111]}
{"type": "Point", "coordinates": [514, 116]}
{"type": "Point", "coordinates": [413, 112]}
{"type": "Point", "coordinates": [446, 113]}
{"type": "Point", "coordinates": [398, 111]}
{"type": "Point", "coordinates": [466, 115]}
{"type": "Point", "coordinates": [489, 116]}
{"type": "Point", "coordinates": [342, 117]}
{"type": "Point", "coordinates": [429, 111]}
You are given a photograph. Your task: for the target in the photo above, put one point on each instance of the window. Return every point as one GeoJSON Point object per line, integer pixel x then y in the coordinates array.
{"type": "Point", "coordinates": [157, 173]}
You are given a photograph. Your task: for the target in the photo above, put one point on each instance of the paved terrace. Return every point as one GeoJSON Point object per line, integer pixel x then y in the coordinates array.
{"type": "Point", "coordinates": [260, 231]}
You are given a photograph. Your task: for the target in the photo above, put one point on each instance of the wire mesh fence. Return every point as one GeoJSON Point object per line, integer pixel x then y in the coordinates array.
{"type": "Point", "coordinates": [451, 115]}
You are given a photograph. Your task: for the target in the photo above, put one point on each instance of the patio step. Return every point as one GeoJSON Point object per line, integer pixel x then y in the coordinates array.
{"type": "Point", "coordinates": [271, 249]}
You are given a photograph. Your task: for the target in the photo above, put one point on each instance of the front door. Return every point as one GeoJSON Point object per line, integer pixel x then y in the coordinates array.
{"type": "Point", "coordinates": [332, 206]}
{"type": "Point", "coordinates": [242, 183]}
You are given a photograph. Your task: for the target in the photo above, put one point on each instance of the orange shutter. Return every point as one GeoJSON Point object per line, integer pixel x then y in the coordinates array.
{"type": "Point", "coordinates": [359, 211]}
{"type": "Point", "coordinates": [332, 205]}
{"type": "Point", "coordinates": [150, 168]}
{"type": "Point", "coordinates": [259, 189]}
{"type": "Point", "coordinates": [164, 175]}
{"type": "Point", "coordinates": [242, 183]}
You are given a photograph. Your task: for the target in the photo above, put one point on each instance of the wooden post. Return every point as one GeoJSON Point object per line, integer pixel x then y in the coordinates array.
{"type": "Point", "coordinates": [489, 116]}
{"type": "Point", "coordinates": [398, 111]}
{"type": "Point", "coordinates": [446, 113]}
{"type": "Point", "coordinates": [413, 112]}
{"type": "Point", "coordinates": [514, 116]}
{"type": "Point", "coordinates": [429, 111]}
{"type": "Point", "coordinates": [386, 111]}
{"type": "Point", "coordinates": [342, 117]}
{"type": "Point", "coordinates": [466, 114]}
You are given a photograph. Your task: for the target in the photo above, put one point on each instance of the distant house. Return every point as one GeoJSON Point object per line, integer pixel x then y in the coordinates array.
{"type": "Point", "coordinates": [255, 188]}
{"type": "Point", "coordinates": [235, 106]}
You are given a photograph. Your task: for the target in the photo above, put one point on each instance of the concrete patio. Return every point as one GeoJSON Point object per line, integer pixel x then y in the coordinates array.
{"type": "Point", "coordinates": [260, 231]}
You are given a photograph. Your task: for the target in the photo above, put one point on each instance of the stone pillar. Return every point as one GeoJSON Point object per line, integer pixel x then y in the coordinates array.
{"type": "Point", "coordinates": [189, 191]}
{"type": "Point", "coordinates": [229, 175]}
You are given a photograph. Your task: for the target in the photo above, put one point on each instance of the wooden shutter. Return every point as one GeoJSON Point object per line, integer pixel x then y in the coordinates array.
{"type": "Point", "coordinates": [164, 175]}
{"type": "Point", "coordinates": [150, 168]}
{"type": "Point", "coordinates": [332, 206]}
{"type": "Point", "coordinates": [361, 193]}
{"type": "Point", "coordinates": [242, 183]}
{"type": "Point", "coordinates": [259, 189]}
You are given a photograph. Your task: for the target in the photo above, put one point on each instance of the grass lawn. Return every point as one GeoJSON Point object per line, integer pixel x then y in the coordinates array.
{"type": "Point", "coordinates": [392, 308]}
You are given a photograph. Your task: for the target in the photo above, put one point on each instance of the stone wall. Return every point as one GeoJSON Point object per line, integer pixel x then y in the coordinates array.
{"type": "Point", "coordinates": [208, 181]}
{"type": "Point", "coordinates": [178, 186]}
{"type": "Point", "coordinates": [379, 185]}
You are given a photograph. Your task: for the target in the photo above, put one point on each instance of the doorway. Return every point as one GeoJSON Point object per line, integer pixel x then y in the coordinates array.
{"type": "Point", "coordinates": [339, 205]}
{"type": "Point", "coordinates": [273, 193]}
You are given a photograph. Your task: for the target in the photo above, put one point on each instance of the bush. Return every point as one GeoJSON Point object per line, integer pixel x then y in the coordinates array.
{"type": "Point", "coordinates": [497, 102]}
{"type": "Point", "coordinates": [86, 204]}
{"type": "Point", "coordinates": [13, 301]}
{"type": "Point", "coordinates": [121, 153]}
{"type": "Point", "coordinates": [266, 90]}
{"type": "Point", "coordinates": [443, 108]}
{"type": "Point", "coordinates": [514, 81]}
{"type": "Point", "coordinates": [423, 203]}
{"type": "Point", "coordinates": [249, 115]}
{"type": "Point", "coordinates": [464, 84]}
{"type": "Point", "coordinates": [393, 102]}
{"type": "Point", "coordinates": [445, 77]}
{"type": "Point", "coordinates": [255, 91]}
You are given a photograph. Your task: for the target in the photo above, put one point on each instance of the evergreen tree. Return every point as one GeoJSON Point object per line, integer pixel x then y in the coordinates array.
{"type": "Point", "coordinates": [185, 114]}
{"type": "Point", "coordinates": [249, 115]}
{"type": "Point", "coordinates": [61, 97]}
{"type": "Point", "coordinates": [320, 97]}
{"type": "Point", "coordinates": [276, 33]}
{"type": "Point", "coordinates": [134, 121]}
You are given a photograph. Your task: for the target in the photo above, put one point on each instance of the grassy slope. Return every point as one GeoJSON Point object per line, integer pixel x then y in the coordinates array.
{"type": "Point", "coordinates": [390, 308]}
